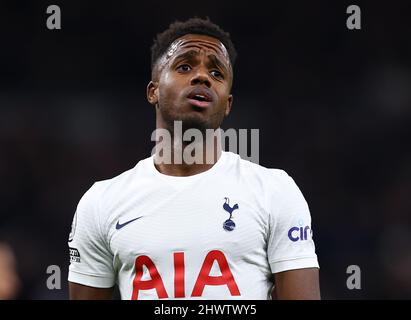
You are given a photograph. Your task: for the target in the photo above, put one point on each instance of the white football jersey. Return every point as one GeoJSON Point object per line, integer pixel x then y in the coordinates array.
{"type": "Point", "coordinates": [219, 234]}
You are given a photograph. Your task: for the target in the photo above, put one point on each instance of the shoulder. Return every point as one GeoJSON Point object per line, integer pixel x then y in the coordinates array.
{"type": "Point", "coordinates": [273, 178]}
{"type": "Point", "coordinates": [272, 185]}
{"type": "Point", "coordinates": [103, 192]}
{"type": "Point", "coordinates": [102, 188]}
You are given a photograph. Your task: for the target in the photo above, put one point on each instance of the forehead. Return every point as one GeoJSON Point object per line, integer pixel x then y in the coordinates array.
{"type": "Point", "coordinates": [198, 42]}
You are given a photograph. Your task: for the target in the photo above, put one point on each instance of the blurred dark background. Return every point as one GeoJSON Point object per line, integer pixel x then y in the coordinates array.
{"type": "Point", "coordinates": [333, 107]}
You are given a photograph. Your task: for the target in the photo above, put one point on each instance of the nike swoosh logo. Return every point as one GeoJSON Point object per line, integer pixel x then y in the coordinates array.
{"type": "Point", "coordinates": [121, 225]}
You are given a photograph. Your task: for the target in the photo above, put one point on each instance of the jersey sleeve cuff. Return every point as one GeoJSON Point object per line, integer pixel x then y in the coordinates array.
{"type": "Point", "coordinates": [91, 280]}
{"type": "Point", "coordinates": [292, 264]}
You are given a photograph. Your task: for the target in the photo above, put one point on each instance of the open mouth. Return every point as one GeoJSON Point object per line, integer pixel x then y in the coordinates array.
{"type": "Point", "coordinates": [200, 97]}
{"type": "Point", "coordinates": [199, 102]}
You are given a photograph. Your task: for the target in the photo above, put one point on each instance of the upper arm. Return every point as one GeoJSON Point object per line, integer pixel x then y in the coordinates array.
{"type": "Point", "coordinates": [291, 249]}
{"type": "Point", "coordinates": [81, 292]}
{"type": "Point", "coordinates": [91, 259]}
{"type": "Point", "coordinates": [300, 284]}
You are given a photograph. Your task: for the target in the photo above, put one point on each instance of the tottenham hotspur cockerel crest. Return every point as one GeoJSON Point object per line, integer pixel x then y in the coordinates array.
{"type": "Point", "coordinates": [229, 224]}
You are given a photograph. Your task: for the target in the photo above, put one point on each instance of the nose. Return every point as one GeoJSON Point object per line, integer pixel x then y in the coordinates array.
{"type": "Point", "coordinates": [201, 76]}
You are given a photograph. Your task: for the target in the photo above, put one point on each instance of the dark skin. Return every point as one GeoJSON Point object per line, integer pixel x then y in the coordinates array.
{"type": "Point", "coordinates": [194, 60]}
{"type": "Point", "coordinates": [199, 60]}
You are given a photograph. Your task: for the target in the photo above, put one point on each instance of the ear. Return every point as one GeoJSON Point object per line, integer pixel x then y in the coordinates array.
{"type": "Point", "coordinates": [229, 105]}
{"type": "Point", "coordinates": [152, 92]}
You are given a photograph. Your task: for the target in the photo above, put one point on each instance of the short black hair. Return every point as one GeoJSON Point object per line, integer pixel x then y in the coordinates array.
{"type": "Point", "coordinates": [191, 26]}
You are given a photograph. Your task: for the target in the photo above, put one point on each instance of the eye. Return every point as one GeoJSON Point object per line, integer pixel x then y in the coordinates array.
{"type": "Point", "coordinates": [217, 74]}
{"type": "Point", "coordinates": [183, 68]}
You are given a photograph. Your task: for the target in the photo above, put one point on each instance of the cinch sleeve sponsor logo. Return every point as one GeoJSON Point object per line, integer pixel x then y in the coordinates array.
{"type": "Point", "coordinates": [299, 233]}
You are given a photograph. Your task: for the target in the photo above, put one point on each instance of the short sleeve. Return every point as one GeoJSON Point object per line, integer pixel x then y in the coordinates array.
{"type": "Point", "coordinates": [290, 241]}
{"type": "Point", "coordinates": [91, 262]}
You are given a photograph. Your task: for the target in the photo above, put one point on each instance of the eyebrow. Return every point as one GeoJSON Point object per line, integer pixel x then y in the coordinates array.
{"type": "Point", "coordinates": [215, 60]}
{"type": "Point", "coordinates": [190, 54]}
{"type": "Point", "coordinates": [186, 55]}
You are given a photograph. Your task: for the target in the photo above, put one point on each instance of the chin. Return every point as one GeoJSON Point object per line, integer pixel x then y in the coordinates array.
{"type": "Point", "coordinates": [195, 122]}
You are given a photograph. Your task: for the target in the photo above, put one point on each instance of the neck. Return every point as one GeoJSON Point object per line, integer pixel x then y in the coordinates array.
{"type": "Point", "coordinates": [176, 157]}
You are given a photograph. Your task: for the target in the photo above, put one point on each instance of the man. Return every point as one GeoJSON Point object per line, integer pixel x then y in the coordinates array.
{"type": "Point", "coordinates": [220, 229]}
